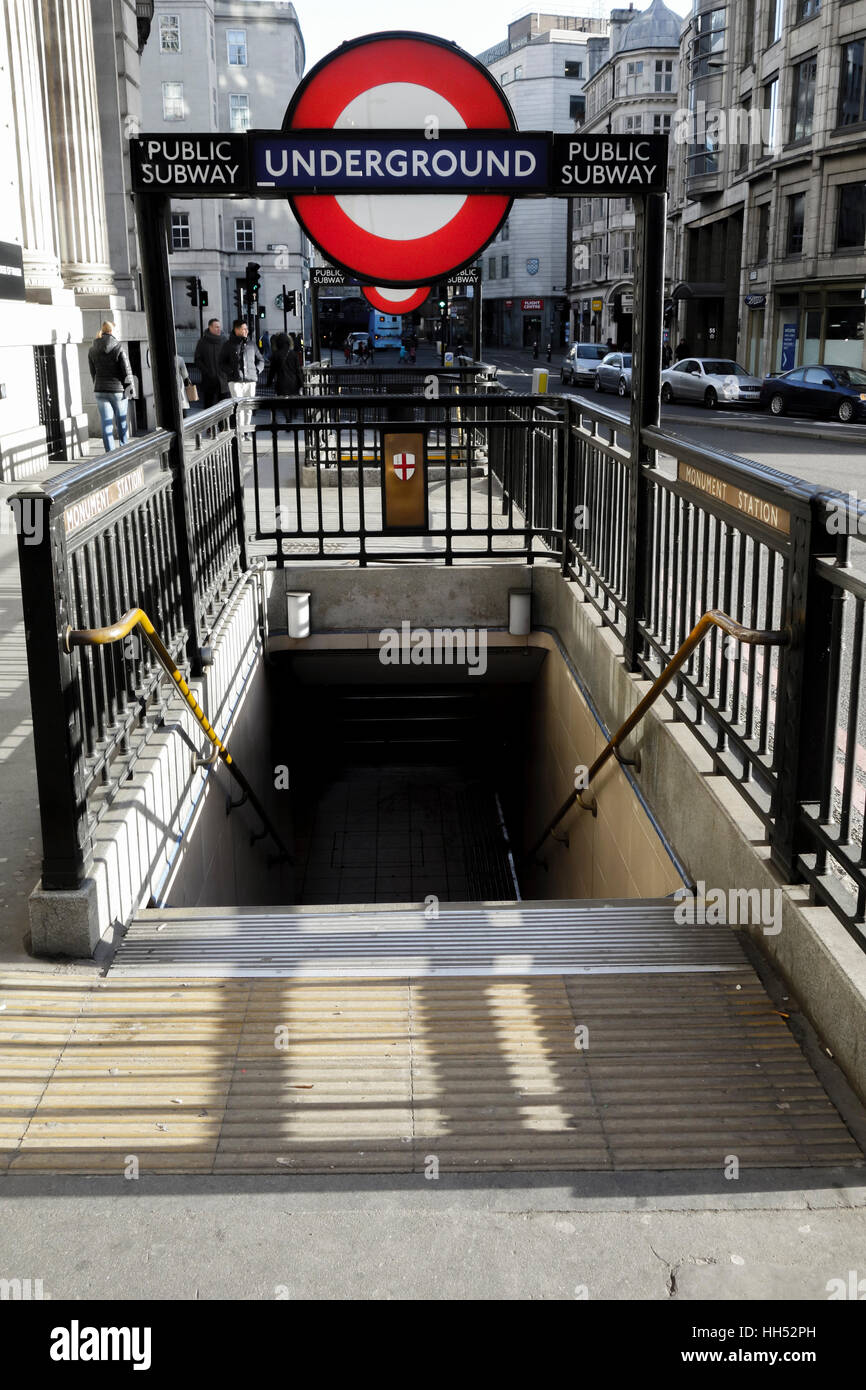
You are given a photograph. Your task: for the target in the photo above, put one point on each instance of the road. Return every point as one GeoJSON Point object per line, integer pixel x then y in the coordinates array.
{"type": "Point", "coordinates": [834, 456]}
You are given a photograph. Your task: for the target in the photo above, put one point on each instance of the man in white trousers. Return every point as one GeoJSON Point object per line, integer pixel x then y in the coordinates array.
{"type": "Point", "coordinates": [241, 362]}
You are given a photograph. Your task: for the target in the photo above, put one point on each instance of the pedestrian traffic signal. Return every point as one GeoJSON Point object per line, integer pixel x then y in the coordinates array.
{"type": "Point", "coordinates": [253, 282]}
{"type": "Point", "coordinates": [192, 290]}
{"type": "Point", "coordinates": [203, 298]}
{"type": "Point", "coordinates": [262, 312]}
{"type": "Point", "coordinates": [292, 302]}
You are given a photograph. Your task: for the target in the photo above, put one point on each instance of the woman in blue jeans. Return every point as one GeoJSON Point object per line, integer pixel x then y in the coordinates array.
{"type": "Point", "coordinates": [112, 384]}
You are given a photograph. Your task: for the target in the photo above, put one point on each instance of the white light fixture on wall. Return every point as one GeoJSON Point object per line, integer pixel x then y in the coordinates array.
{"type": "Point", "coordinates": [298, 614]}
{"type": "Point", "coordinates": [519, 612]}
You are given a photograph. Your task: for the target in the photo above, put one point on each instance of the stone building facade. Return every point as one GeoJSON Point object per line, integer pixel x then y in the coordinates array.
{"type": "Point", "coordinates": [226, 65]}
{"type": "Point", "coordinates": [542, 67]}
{"type": "Point", "coordinates": [631, 89]}
{"type": "Point", "coordinates": [768, 182]}
{"type": "Point", "coordinates": [68, 81]}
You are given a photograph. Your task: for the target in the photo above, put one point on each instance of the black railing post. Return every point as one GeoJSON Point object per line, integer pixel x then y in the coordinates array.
{"type": "Point", "coordinates": [152, 212]}
{"type": "Point", "coordinates": [54, 695]}
{"type": "Point", "coordinates": [569, 463]}
{"type": "Point", "coordinates": [805, 686]}
{"type": "Point", "coordinates": [649, 279]}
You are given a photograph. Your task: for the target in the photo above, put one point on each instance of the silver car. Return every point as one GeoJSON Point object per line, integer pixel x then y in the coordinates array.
{"type": "Point", "coordinates": [614, 373]}
{"type": "Point", "coordinates": [581, 363]}
{"type": "Point", "coordinates": [710, 381]}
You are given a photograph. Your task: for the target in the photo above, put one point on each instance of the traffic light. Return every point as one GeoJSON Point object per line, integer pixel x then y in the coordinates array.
{"type": "Point", "coordinates": [443, 304]}
{"type": "Point", "coordinates": [203, 298]}
{"type": "Point", "coordinates": [292, 302]}
{"type": "Point", "coordinates": [253, 282]}
{"type": "Point", "coordinates": [192, 290]}
{"type": "Point", "coordinates": [262, 312]}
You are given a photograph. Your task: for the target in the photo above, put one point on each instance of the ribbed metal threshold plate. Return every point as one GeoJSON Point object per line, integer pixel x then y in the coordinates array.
{"type": "Point", "coordinates": [603, 938]}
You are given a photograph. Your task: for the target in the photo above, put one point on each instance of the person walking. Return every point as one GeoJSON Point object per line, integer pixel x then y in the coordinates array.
{"type": "Point", "coordinates": [285, 373]}
{"type": "Point", "coordinates": [183, 383]}
{"type": "Point", "coordinates": [207, 358]}
{"type": "Point", "coordinates": [241, 362]}
{"type": "Point", "coordinates": [112, 384]}
{"type": "Point", "coordinates": [266, 345]}
{"type": "Point", "coordinates": [682, 350]}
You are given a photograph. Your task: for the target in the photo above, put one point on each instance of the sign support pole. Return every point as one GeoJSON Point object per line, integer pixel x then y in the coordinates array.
{"type": "Point", "coordinates": [648, 320]}
{"type": "Point", "coordinates": [200, 310]}
{"type": "Point", "coordinates": [285, 311]}
{"type": "Point", "coordinates": [314, 316]}
{"type": "Point", "coordinates": [476, 323]}
{"type": "Point", "coordinates": [152, 215]}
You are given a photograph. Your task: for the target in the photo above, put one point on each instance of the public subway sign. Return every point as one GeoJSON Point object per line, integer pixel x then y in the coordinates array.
{"type": "Point", "coordinates": [194, 166]}
{"type": "Point", "coordinates": [400, 157]}
{"type": "Point", "coordinates": [609, 165]}
{"type": "Point", "coordinates": [329, 163]}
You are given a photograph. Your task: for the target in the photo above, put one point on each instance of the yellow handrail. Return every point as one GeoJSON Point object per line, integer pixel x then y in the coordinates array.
{"type": "Point", "coordinates": [136, 617]}
{"type": "Point", "coordinates": [713, 618]}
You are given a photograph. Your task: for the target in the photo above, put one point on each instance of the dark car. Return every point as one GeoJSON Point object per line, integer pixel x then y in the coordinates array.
{"type": "Point", "coordinates": [817, 390]}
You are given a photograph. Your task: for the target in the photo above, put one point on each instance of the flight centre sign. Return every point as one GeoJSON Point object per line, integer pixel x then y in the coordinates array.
{"type": "Point", "coordinates": [270, 164]}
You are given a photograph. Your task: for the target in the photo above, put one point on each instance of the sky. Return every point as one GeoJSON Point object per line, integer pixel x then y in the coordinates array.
{"type": "Point", "coordinates": [473, 24]}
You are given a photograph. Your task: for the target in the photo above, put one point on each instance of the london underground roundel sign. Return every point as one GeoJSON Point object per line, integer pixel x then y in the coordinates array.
{"type": "Point", "coordinates": [390, 300]}
{"type": "Point", "coordinates": [404, 82]}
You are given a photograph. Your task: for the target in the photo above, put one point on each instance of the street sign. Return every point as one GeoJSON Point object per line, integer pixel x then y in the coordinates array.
{"type": "Point", "coordinates": [532, 304]}
{"type": "Point", "coordinates": [209, 166]}
{"type": "Point", "coordinates": [11, 271]}
{"type": "Point", "coordinates": [395, 301]}
{"type": "Point", "coordinates": [328, 275]}
{"type": "Point", "coordinates": [608, 166]}
{"type": "Point", "coordinates": [391, 82]}
{"type": "Point", "coordinates": [597, 306]}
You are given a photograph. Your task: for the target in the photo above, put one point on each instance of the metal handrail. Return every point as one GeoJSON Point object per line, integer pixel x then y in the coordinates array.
{"type": "Point", "coordinates": [136, 617]}
{"type": "Point", "coordinates": [754, 637]}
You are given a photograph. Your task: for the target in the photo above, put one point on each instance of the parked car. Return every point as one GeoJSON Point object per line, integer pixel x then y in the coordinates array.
{"type": "Point", "coordinates": [711, 381]}
{"type": "Point", "coordinates": [614, 373]}
{"type": "Point", "coordinates": [817, 390]}
{"type": "Point", "coordinates": [581, 362]}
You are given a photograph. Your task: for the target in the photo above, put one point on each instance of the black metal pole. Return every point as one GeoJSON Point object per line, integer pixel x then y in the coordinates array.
{"type": "Point", "coordinates": [285, 310]}
{"type": "Point", "coordinates": [200, 309]}
{"type": "Point", "coordinates": [476, 323]}
{"type": "Point", "coordinates": [649, 280]}
{"type": "Point", "coordinates": [314, 321]}
{"type": "Point", "coordinates": [152, 217]}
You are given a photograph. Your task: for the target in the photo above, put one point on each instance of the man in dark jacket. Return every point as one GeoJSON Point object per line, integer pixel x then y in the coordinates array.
{"type": "Point", "coordinates": [285, 373]}
{"type": "Point", "coordinates": [240, 361]}
{"type": "Point", "coordinates": [112, 384]}
{"type": "Point", "coordinates": [207, 358]}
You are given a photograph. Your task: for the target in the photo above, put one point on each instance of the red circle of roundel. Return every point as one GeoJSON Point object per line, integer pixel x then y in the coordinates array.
{"type": "Point", "coordinates": [425, 61]}
{"type": "Point", "coordinates": [378, 297]}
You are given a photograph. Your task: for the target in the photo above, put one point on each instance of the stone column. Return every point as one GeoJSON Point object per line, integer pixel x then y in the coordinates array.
{"type": "Point", "coordinates": [77, 150]}
{"type": "Point", "coordinates": [33, 148]}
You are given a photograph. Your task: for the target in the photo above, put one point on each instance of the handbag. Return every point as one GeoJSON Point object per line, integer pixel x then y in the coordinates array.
{"type": "Point", "coordinates": [191, 392]}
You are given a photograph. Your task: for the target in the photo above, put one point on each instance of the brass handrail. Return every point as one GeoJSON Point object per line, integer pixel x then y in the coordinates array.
{"type": "Point", "coordinates": [136, 617]}
{"type": "Point", "coordinates": [754, 637]}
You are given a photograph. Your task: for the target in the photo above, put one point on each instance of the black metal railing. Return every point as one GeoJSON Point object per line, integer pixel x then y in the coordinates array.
{"type": "Point", "coordinates": [104, 537]}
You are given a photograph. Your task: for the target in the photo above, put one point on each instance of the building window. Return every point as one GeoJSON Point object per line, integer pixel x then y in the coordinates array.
{"type": "Point", "coordinates": [664, 78]}
{"type": "Point", "coordinates": [661, 124]}
{"type": "Point", "coordinates": [771, 115]}
{"type": "Point", "coordinates": [180, 231]}
{"type": "Point", "coordinates": [237, 46]}
{"type": "Point", "coordinates": [491, 268]}
{"type": "Point", "coordinates": [503, 268]}
{"type": "Point", "coordinates": [777, 20]}
{"type": "Point", "coordinates": [505, 234]}
{"type": "Point", "coordinates": [577, 109]}
{"type": "Point", "coordinates": [796, 218]}
{"type": "Point", "coordinates": [518, 73]}
{"type": "Point", "coordinates": [748, 32]}
{"type": "Point", "coordinates": [504, 78]}
{"type": "Point", "coordinates": [745, 131]}
{"type": "Point", "coordinates": [169, 33]}
{"type": "Point", "coordinates": [244, 234]}
{"type": "Point", "coordinates": [239, 112]}
{"type": "Point", "coordinates": [632, 125]}
{"type": "Point", "coordinates": [573, 69]}
{"type": "Point", "coordinates": [852, 106]}
{"type": "Point", "coordinates": [803, 99]}
{"type": "Point", "coordinates": [762, 243]}
{"type": "Point", "coordinates": [851, 218]}
{"type": "Point", "coordinates": [172, 101]}
{"type": "Point", "coordinates": [634, 69]}
{"type": "Point", "coordinates": [297, 58]}
{"type": "Point", "coordinates": [807, 9]}
{"type": "Point", "coordinates": [709, 42]}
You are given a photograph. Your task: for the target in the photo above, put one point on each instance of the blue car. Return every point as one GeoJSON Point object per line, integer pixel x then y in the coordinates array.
{"type": "Point", "coordinates": [818, 390]}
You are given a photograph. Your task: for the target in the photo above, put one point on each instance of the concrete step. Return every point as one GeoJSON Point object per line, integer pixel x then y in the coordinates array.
{"type": "Point", "coordinates": [381, 942]}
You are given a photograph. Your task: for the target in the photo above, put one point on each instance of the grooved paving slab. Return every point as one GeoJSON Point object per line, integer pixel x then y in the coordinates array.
{"type": "Point", "coordinates": [519, 939]}
{"type": "Point", "coordinates": [300, 1075]}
